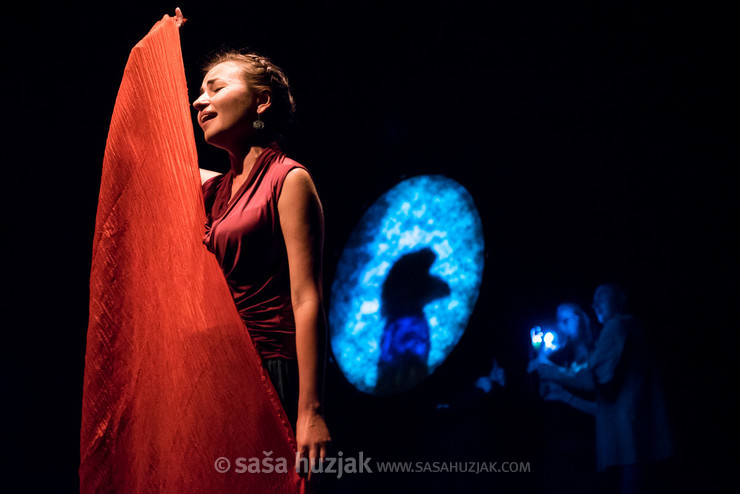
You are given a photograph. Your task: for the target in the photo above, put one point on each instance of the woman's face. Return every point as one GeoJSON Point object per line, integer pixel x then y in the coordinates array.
{"type": "Point", "coordinates": [567, 322]}
{"type": "Point", "coordinates": [226, 107]}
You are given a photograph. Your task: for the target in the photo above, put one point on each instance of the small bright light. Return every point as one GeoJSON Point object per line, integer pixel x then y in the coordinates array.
{"type": "Point", "coordinates": [536, 335]}
{"type": "Point", "coordinates": [551, 341]}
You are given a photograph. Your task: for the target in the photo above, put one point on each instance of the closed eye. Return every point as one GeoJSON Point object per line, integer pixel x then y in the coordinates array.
{"type": "Point", "coordinates": [211, 85]}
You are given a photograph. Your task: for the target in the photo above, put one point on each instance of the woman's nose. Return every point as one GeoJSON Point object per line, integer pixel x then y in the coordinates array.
{"type": "Point", "coordinates": [200, 103]}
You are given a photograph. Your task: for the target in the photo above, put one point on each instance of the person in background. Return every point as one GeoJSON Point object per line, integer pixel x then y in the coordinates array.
{"type": "Point", "coordinates": [575, 341]}
{"type": "Point", "coordinates": [566, 417]}
{"type": "Point", "coordinates": [632, 428]}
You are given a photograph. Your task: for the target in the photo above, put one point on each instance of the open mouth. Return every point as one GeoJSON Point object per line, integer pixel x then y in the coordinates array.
{"type": "Point", "coordinates": [206, 117]}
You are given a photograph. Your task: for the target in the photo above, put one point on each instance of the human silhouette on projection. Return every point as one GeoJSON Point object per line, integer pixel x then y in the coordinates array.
{"type": "Point", "coordinates": [405, 342]}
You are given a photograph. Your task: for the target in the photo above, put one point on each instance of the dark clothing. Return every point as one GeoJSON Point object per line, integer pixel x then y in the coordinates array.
{"type": "Point", "coordinates": [244, 234]}
{"type": "Point", "coordinates": [284, 376]}
{"type": "Point", "coordinates": [631, 419]}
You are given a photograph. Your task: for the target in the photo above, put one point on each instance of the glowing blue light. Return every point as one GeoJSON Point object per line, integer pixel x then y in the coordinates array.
{"type": "Point", "coordinates": [430, 217]}
{"type": "Point", "coordinates": [536, 335]}
{"type": "Point", "coordinates": [548, 337]}
{"type": "Point", "coordinates": [551, 342]}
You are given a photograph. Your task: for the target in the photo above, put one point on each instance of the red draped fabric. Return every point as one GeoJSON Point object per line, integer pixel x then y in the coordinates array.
{"type": "Point", "coordinates": [172, 380]}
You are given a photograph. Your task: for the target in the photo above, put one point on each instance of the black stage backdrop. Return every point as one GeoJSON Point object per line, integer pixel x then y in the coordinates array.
{"type": "Point", "coordinates": [593, 137]}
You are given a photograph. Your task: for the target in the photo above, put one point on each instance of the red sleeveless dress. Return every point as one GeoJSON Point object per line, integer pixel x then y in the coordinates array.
{"type": "Point", "coordinates": [245, 236]}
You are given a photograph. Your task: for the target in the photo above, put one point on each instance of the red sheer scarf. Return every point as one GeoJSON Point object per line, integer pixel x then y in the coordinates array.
{"type": "Point", "coordinates": [173, 384]}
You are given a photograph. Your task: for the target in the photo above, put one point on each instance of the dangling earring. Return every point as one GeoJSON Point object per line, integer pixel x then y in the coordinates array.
{"type": "Point", "coordinates": [258, 124]}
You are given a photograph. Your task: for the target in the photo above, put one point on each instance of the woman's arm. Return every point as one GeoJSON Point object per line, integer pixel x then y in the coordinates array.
{"type": "Point", "coordinates": [579, 403]}
{"type": "Point", "coordinates": [302, 222]}
{"type": "Point", "coordinates": [582, 380]}
{"type": "Point", "coordinates": [552, 391]}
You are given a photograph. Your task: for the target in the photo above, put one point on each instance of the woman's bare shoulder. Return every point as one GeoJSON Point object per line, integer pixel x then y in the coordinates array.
{"type": "Point", "coordinates": [206, 175]}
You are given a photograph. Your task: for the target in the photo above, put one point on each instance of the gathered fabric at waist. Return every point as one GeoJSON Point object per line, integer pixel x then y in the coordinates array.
{"type": "Point", "coordinates": [274, 342]}
{"type": "Point", "coordinates": [272, 329]}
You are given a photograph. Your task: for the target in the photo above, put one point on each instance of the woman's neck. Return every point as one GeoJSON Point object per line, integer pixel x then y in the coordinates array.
{"type": "Point", "coordinates": [242, 162]}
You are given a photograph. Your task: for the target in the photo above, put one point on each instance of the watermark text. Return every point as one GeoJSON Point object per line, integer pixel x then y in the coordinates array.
{"type": "Point", "coordinates": [341, 465]}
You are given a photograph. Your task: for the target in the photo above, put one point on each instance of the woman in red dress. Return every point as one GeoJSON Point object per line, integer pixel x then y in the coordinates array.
{"type": "Point", "coordinates": [265, 227]}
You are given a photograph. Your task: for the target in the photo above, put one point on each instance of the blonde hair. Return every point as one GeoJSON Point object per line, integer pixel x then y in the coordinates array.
{"type": "Point", "coordinates": [260, 74]}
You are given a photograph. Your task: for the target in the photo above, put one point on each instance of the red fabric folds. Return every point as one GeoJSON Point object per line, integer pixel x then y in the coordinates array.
{"type": "Point", "coordinates": [172, 380]}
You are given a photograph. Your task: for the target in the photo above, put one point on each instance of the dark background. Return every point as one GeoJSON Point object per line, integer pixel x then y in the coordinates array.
{"type": "Point", "coordinates": [593, 136]}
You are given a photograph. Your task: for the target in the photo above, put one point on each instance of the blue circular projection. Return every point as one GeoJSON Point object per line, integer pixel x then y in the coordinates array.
{"type": "Point", "coordinates": [406, 284]}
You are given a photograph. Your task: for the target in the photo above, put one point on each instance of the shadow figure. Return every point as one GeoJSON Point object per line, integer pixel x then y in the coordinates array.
{"type": "Point", "coordinates": [405, 341]}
